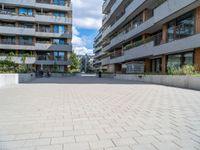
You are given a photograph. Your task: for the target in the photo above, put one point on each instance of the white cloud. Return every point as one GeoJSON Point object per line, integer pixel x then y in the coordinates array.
{"type": "Point", "coordinates": [87, 13]}
{"type": "Point", "coordinates": [83, 50]}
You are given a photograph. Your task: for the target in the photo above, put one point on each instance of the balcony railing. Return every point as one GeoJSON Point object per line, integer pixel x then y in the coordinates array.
{"type": "Point", "coordinates": [179, 32]}
{"type": "Point", "coordinates": [116, 54]}
{"type": "Point", "coordinates": [60, 3]}
{"type": "Point", "coordinates": [138, 43]}
{"type": "Point", "coordinates": [14, 42]}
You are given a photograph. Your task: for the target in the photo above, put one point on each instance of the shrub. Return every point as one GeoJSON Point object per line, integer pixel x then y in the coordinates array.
{"type": "Point", "coordinates": [185, 70]}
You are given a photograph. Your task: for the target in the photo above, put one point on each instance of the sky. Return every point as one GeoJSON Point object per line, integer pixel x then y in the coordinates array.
{"type": "Point", "coordinates": [87, 19]}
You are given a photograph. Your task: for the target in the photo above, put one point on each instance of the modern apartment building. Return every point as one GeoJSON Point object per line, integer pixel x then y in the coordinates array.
{"type": "Point", "coordinates": [148, 35]}
{"type": "Point", "coordinates": [41, 29]}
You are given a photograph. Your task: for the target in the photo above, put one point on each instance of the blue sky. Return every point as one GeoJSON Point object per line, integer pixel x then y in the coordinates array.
{"type": "Point", "coordinates": [87, 16]}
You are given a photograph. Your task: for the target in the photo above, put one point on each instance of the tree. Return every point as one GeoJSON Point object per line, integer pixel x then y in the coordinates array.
{"type": "Point", "coordinates": [75, 62]}
{"type": "Point", "coordinates": [23, 59]}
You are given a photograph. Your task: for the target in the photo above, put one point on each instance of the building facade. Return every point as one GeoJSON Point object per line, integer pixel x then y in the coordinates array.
{"type": "Point", "coordinates": [148, 35]}
{"type": "Point", "coordinates": [41, 29]}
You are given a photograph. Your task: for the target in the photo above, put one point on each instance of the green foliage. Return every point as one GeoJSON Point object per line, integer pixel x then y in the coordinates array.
{"type": "Point", "coordinates": [138, 43]}
{"type": "Point", "coordinates": [75, 62]}
{"type": "Point", "coordinates": [55, 67]}
{"type": "Point", "coordinates": [73, 71]}
{"type": "Point", "coordinates": [24, 56]}
{"type": "Point", "coordinates": [185, 70]}
{"type": "Point", "coordinates": [8, 66]}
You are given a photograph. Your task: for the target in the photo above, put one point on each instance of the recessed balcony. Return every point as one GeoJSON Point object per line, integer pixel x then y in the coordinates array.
{"type": "Point", "coordinates": [52, 19]}
{"type": "Point", "coordinates": [22, 45]}
{"type": "Point", "coordinates": [12, 30]}
{"type": "Point", "coordinates": [12, 15]}
{"type": "Point", "coordinates": [19, 2]}
{"type": "Point", "coordinates": [53, 47]}
{"type": "Point", "coordinates": [48, 4]}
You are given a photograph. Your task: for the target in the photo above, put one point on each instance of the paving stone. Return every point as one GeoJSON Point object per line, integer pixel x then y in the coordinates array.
{"type": "Point", "coordinates": [63, 140]}
{"type": "Point", "coordinates": [88, 113]}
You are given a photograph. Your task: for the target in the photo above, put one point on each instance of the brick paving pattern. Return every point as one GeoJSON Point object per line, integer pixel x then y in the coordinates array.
{"type": "Point", "coordinates": [87, 113]}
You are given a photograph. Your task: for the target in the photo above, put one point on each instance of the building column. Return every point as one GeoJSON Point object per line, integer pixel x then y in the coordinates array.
{"type": "Point", "coordinates": [197, 59]}
{"type": "Point", "coordinates": [164, 33]}
{"type": "Point", "coordinates": [147, 65]}
{"type": "Point", "coordinates": [66, 56]}
{"type": "Point", "coordinates": [198, 20]}
{"type": "Point", "coordinates": [164, 64]}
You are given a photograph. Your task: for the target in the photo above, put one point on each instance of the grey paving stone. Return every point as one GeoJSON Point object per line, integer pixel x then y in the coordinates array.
{"type": "Point", "coordinates": [87, 113]}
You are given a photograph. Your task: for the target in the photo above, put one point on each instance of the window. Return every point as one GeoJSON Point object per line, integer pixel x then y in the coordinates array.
{"type": "Point", "coordinates": [59, 56]}
{"type": "Point", "coordinates": [156, 65]}
{"type": "Point", "coordinates": [182, 27]}
{"type": "Point", "coordinates": [59, 14]}
{"type": "Point", "coordinates": [25, 11]}
{"type": "Point", "coordinates": [59, 41]}
{"type": "Point", "coordinates": [8, 40]}
{"type": "Point", "coordinates": [25, 40]}
{"type": "Point", "coordinates": [179, 60]}
{"type": "Point", "coordinates": [59, 2]}
{"type": "Point", "coordinates": [59, 28]}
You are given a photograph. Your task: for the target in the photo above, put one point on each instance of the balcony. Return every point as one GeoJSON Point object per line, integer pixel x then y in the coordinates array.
{"type": "Point", "coordinates": [18, 59]}
{"type": "Point", "coordinates": [107, 5]}
{"type": "Point", "coordinates": [12, 30]}
{"type": "Point", "coordinates": [53, 47]}
{"type": "Point", "coordinates": [44, 33]}
{"type": "Point", "coordinates": [22, 45]}
{"type": "Point", "coordinates": [178, 45]}
{"type": "Point", "coordinates": [54, 6]}
{"type": "Point", "coordinates": [52, 62]}
{"type": "Point", "coordinates": [46, 60]}
{"type": "Point", "coordinates": [129, 10]}
{"type": "Point", "coordinates": [19, 2]}
{"type": "Point", "coordinates": [113, 9]}
{"type": "Point", "coordinates": [11, 15]}
{"type": "Point", "coordinates": [141, 51]}
{"type": "Point", "coordinates": [132, 32]}
{"type": "Point", "coordinates": [105, 61]}
{"type": "Point", "coordinates": [52, 19]}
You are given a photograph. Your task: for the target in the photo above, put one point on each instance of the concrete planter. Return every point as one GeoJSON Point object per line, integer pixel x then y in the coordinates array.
{"type": "Point", "coordinates": [59, 75]}
{"type": "Point", "coordinates": [107, 75]}
{"type": "Point", "coordinates": [169, 80]}
{"type": "Point", "coordinates": [14, 79]}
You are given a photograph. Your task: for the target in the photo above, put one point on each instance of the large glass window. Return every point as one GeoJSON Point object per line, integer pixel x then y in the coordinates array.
{"type": "Point", "coordinates": [59, 41]}
{"type": "Point", "coordinates": [59, 29]}
{"type": "Point", "coordinates": [188, 59]}
{"type": "Point", "coordinates": [156, 65]}
{"type": "Point", "coordinates": [25, 40]}
{"type": "Point", "coordinates": [182, 27]}
{"type": "Point", "coordinates": [26, 11]}
{"type": "Point", "coordinates": [59, 14]}
{"type": "Point", "coordinates": [59, 56]}
{"type": "Point", "coordinates": [59, 2]}
{"type": "Point", "coordinates": [179, 60]}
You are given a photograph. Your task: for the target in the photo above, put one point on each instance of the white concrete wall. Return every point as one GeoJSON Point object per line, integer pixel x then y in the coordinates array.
{"type": "Point", "coordinates": [169, 80]}
{"type": "Point", "coordinates": [14, 79]}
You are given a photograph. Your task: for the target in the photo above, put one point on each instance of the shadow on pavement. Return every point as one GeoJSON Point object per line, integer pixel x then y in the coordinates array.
{"type": "Point", "coordinates": [81, 80]}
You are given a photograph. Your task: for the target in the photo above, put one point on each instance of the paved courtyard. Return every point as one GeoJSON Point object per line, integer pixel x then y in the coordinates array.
{"type": "Point", "coordinates": [87, 113]}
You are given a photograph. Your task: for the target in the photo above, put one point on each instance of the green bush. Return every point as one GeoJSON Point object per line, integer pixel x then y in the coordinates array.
{"type": "Point", "coordinates": [8, 66]}
{"type": "Point", "coordinates": [185, 70]}
{"type": "Point", "coordinates": [72, 71]}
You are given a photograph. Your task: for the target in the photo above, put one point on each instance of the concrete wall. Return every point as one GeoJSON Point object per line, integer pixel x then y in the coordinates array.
{"type": "Point", "coordinates": [169, 80]}
{"type": "Point", "coordinates": [14, 79]}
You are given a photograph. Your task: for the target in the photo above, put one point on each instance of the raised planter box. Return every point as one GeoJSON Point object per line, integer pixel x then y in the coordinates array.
{"type": "Point", "coordinates": [189, 82]}
{"type": "Point", "coordinates": [107, 75]}
{"type": "Point", "coordinates": [58, 75]}
{"type": "Point", "coordinates": [14, 79]}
